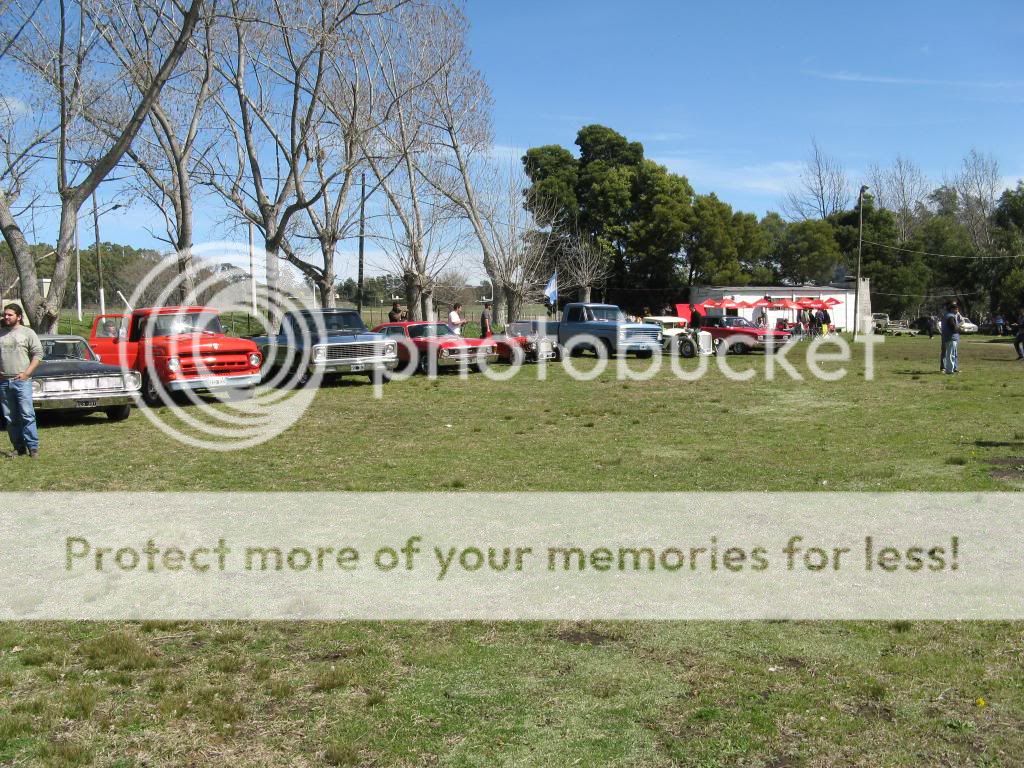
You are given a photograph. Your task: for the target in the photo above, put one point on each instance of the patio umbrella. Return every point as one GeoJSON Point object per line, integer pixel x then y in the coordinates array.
{"type": "Point", "coordinates": [832, 302]}
{"type": "Point", "coordinates": [745, 305]}
{"type": "Point", "coordinates": [727, 303]}
{"type": "Point", "coordinates": [764, 303]}
{"type": "Point", "coordinates": [713, 303]}
{"type": "Point", "coordinates": [785, 304]}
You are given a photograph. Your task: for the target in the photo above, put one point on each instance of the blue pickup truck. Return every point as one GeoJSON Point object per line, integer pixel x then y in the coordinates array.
{"type": "Point", "coordinates": [327, 342]}
{"type": "Point", "coordinates": [583, 323]}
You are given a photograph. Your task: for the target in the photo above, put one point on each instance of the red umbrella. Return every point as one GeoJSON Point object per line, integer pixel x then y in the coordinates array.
{"type": "Point", "coordinates": [764, 303]}
{"type": "Point", "coordinates": [713, 303]}
{"type": "Point", "coordinates": [786, 304]}
{"type": "Point", "coordinates": [831, 302]}
{"type": "Point", "coordinates": [729, 303]}
{"type": "Point", "coordinates": [745, 305]}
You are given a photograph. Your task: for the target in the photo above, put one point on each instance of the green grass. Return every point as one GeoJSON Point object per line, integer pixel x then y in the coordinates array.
{"type": "Point", "coordinates": [549, 694]}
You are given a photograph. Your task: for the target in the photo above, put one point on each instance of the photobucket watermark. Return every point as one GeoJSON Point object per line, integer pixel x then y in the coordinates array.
{"type": "Point", "coordinates": [587, 357]}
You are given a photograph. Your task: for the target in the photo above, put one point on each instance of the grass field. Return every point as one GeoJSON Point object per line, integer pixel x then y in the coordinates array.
{"type": "Point", "coordinates": [480, 694]}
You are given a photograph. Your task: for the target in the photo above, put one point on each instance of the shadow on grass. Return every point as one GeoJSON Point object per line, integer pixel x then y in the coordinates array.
{"type": "Point", "coordinates": [999, 444]}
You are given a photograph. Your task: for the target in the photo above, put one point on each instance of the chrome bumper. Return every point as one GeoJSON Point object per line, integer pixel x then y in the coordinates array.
{"type": "Point", "coordinates": [84, 402]}
{"type": "Point", "coordinates": [355, 365]}
{"type": "Point", "coordinates": [208, 383]}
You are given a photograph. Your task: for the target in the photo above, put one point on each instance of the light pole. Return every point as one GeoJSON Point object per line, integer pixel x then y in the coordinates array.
{"type": "Point", "coordinates": [99, 260]}
{"type": "Point", "coordinates": [860, 248]}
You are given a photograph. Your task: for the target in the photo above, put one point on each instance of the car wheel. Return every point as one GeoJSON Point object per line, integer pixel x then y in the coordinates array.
{"type": "Point", "coordinates": [151, 393]}
{"type": "Point", "coordinates": [645, 354]}
{"type": "Point", "coordinates": [687, 348]}
{"type": "Point", "coordinates": [423, 363]}
{"type": "Point", "coordinates": [739, 348]}
{"type": "Point", "coordinates": [118, 412]}
{"type": "Point", "coordinates": [608, 351]}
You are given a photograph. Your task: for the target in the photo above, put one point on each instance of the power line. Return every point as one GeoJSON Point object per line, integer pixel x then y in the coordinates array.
{"type": "Point", "coordinates": [938, 255]}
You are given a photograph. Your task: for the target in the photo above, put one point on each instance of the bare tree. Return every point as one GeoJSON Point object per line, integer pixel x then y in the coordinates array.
{"type": "Point", "coordinates": [458, 110]}
{"type": "Point", "coordinates": [68, 56]}
{"type": "Point", "coordinates": [276, 69]}
{"type": "Point", "coordinates": [172, 146]}
{"type": "Point", "coordinates": [903, 189]}
{"type": "Point", "coordinates": [823, 188]}
{"type": "Point", "coordinates": [508, 231]}
{"type": "Point", "coordinates": [419, 227]}
{"type": "Point", "coordinates": [583, 264]}
{"type": "Point", "coordinates": [978, 188]}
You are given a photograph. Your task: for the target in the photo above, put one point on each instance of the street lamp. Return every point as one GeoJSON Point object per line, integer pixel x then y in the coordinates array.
{"type": "Point", "coordinates": [99, 260]}
{"type": "Point", "coordinates": [860, 247]}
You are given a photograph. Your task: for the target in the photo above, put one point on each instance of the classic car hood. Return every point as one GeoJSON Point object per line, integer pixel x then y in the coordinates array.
{"type": "Point", "coordinates": [59, 368]}
{"type": "Point", "coordinates": [346, 338]}
{"type": "Point", "coordinates": [193, 344]}
{"type": "Point", "coordinates": [448, 341]}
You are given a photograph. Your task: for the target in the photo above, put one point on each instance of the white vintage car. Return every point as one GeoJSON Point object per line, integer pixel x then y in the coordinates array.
{"type": "Point", "coordinates": [678, 336]}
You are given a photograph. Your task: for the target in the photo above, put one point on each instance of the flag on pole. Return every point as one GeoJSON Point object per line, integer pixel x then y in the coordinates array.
{"type": "Point", "coordinates": [551, 290]}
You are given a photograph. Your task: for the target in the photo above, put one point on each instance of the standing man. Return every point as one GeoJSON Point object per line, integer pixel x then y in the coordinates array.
{"type": "Point", "coordinates": [485, 322]}
{"type": "Point", "coordinates": [951, 338]}
{"type": "Point", "coordinates": [455, 320]}
{"type": "Point", "coordinates": [395, 315]}
{"type": "Point", "coordinates": [1018, 339]}
{"type": "Point", "coordinates": [20, 355]}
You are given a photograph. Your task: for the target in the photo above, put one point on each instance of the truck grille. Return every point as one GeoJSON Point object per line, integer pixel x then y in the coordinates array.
{"type": "Point", "coordinates": [354, 350]}
{"type": "Point", "coordinates": [642, 334]}
{"type": "Point", "coordinates": [222, 365]}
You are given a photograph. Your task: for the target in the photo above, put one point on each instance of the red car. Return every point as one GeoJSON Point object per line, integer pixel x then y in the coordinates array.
{"type": "Point", "coordinates": [431, 345]}
{"type": "Point", "coordinates": [176, 349]}
{"type": "Point", "coordinates": [742, 336]}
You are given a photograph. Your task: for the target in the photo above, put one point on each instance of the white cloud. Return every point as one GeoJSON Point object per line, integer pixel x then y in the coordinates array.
{"type": "Point", "coordinates": [857, 77]}
{"type": "Point", "coordinates": [772, 178]}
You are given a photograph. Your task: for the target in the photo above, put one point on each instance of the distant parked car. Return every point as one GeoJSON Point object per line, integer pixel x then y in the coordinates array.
{"type": "Point", "coordinates": [71, 378]}
{"type": "Point", "coordinates": [677, 335]}
{"type": "Point", "coordinates": [742, 336]}
{"type": "Point", "coordinates": [966, 326]}
{"type": "Point", "coordinates": [431, 345]}
{"type": "Point", "coordinates": [532, 339]}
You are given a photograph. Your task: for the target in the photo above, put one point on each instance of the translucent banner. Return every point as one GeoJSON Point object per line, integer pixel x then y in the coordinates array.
{"type": "Point", "coordinates": [568, 556]}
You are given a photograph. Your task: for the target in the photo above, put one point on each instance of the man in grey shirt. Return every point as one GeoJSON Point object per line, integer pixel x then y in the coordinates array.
{"type": "Point", "coordinates": [20, 355]}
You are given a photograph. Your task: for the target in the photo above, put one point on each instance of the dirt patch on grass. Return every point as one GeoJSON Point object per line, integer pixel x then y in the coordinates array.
{"type": "Point", "coordinates": [584, 636]}
{"type": "Point", "coordinates": [1009, 469]}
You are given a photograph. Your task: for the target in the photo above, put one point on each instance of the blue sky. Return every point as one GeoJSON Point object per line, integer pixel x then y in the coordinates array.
{"type": "Point", "coordinates": [731, 94]}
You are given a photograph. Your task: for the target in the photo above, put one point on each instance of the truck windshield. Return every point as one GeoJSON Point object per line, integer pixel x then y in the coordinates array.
{"type": "Point", "coordinates": [335, 322]}
{"type": "Point", "coordinates": [606, 314]}
{"type": "Point", "coordinates": [188, 322]}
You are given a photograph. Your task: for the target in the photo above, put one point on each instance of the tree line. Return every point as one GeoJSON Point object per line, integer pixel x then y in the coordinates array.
{"type": "Point", "coordinates": [649, 236]}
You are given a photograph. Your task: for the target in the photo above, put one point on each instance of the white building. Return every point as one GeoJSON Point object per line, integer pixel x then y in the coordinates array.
{"type": "Point", "coordinates": [842, 313]}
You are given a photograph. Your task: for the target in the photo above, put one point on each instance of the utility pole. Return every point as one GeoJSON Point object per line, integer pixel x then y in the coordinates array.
{"type": "Point", "coordinates": [252, 272]}
{"type": "Point", "coordinates": [362, 237]}
{"type": "Point", "coordinates": [78, 274]}
{"type": "Point", "coordinates": [860, 247]}
{"type": "Point", "coordinates": [99, 259]}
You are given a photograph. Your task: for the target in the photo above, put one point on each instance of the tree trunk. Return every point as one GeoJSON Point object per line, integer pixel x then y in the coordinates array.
{"type": "Point", "coordinates": [585, 291]}
{"type": "Point", "coordinates": [514, 302]}
{"type": "Point", "coordinates": [326, 287]}
{"type": "Point", "coordinates": [186, 277]}
{"type": "Point", "coordinates": [427, 297]}
{"type": "Point", "coordinates": [413, 290]}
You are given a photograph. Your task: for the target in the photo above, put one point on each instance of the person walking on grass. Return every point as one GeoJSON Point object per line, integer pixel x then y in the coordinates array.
{"type": "Point", "coordinates": [20, 355]}
{"type": "Point", "coordinates": [951, 338]}
{"type": "Point", "coordinates": [455, 320]}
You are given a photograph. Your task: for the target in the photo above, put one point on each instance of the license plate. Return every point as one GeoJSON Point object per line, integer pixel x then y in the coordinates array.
{"type": "Point", "coordinates": [357, 367]}
{"type": "Point", "coordinates": [86, 403]}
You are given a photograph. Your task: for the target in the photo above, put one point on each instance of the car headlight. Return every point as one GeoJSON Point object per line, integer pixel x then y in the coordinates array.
{"type": "Point", "coordinates": [390, 348]}
{"type": "Point", "coordinates": [133, 380]}
{"type": "Point", "coordinates": [254, 360]}
{"type": "Point", "coordinates": [532, 346]}
{"type": "Point", "coordinates": [762, 338]}
{"type": "Point", "coordinates": [319, 354]}
{"type": "Point", "coordinates": [445, 353]}
{"type": "Point", "coordinates": [173, 364]}
{"type": "Point", "coordinates": [37, 387]}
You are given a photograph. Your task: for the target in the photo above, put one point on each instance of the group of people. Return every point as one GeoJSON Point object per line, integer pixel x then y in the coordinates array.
{"type": "Point", "coordinates": [20, 355]}
{"type": "Point", "coordinates": [812, 322]}
{"type": "Point", "coordinates": [455, 319]}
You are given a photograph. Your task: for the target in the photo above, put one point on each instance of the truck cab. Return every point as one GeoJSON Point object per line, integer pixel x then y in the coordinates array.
{"type": "Point", "coordinates": [176, 349]}
{"type": "Point", "coordinates": [608, 325]}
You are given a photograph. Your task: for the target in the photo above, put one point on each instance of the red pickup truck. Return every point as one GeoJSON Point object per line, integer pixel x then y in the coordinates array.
{"type": "Point", "coordinates": [180, 348]}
